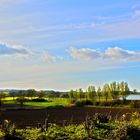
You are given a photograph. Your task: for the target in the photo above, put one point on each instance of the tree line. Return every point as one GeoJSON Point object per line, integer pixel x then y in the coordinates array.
{"type": "Point", "coordinates": [114, 90]}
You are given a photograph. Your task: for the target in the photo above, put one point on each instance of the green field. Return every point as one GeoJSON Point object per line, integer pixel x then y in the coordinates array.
{"type": "Point", "coordinates": [50, 102]}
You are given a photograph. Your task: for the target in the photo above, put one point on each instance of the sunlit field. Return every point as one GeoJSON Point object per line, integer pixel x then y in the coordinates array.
{"type": "Point", "coordinates": [47, 103]}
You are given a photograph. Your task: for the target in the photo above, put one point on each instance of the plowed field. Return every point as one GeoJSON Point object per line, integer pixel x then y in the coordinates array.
{"type": "Point", "coordinates": [58, 115]}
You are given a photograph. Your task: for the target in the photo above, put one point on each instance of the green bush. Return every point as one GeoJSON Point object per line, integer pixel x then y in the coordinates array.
{"type": "Point", "coordinates": [39, 100]}
{"type": "Point", "coordinates": [83, 102]}
{"type": "Point", "coordinates": [1, 134]}
{"type": "Point", "coordinates": [135, 104]}
{"type": "Point", "coordinates": [113, 103]}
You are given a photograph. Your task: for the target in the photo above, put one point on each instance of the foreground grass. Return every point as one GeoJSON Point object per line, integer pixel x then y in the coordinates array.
{"type": "Point", "coordinates": [97, 128]}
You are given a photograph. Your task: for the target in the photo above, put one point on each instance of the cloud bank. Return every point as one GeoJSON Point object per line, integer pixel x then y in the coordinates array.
{"type": "Point", "coordinates": [80, 54]}
{"type": "Point", "coordinates": [113, 53]}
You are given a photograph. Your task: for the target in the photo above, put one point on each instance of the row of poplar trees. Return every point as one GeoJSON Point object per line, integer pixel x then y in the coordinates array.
{"type": "Point", "coordinates": [114, 90]}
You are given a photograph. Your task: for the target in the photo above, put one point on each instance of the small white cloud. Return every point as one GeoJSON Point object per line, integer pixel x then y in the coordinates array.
{"type": "Point", "coordinates": [121, 54]}
{"type": "Point", "coordinates": [84, 53]}
{"type": "Point", "coordinates": [117, 53]}
{"type": "Point", "coordinates": [50, 58]}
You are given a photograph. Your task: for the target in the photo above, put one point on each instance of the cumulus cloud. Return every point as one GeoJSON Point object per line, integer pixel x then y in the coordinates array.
{"type": "Point", "coordinates": [112, 53]}
{"type": "Point", "coordinates": [121, 54]}
{"type": "Point", "coordinates": [6, 50]}
{"type": "Point", "coordinates": [50, 58]}
{"type": "Point", "coordinates": [117, 53]}
{"type": "Point", "coordinates": [84, 53]}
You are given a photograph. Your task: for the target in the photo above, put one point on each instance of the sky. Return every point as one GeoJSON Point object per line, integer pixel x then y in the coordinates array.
{"type": "Point", "coordinates": [69, 44]}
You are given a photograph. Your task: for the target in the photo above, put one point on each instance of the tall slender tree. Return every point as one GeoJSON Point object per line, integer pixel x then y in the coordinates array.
{"type": "Point", "coordinates": [99, 93]}
{"type": "Point", "coordinates": [2, 95]}
{"type": "Point", "coordinates": [123, 89]}
{"type": "Point", "coordinates": [114, 90]}
{"type": "Point", "coordinates": [80, 93]}
{"type": "Point", "coordinates": [106, 91]}
{"type": "Point", "coordinates": [91, 91]}
{"type": "Point", "coordinates": [71, 95]}
{"type": "Point", "coordinates": [21, 97]}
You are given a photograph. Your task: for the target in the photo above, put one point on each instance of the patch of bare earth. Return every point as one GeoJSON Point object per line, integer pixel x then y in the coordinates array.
{"type": "Point", "coordinates": [75, 115]}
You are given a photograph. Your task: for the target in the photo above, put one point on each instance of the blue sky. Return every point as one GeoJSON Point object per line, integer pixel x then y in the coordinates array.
{"type": "Point", "coordinates": [64, 44]}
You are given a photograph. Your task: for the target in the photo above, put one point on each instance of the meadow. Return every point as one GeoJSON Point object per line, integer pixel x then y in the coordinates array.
{"type": "Point", "coordinates": [49, 102]}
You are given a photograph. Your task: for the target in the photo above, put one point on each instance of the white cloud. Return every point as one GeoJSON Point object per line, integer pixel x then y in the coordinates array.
{"type": "Point", "coordinates": [121, 54]}
{"type": "Point", "coordinates": [84, 53]}
{"type": "Point", "coordinates": [21, 53]}
{"type": "Point", "coordinates": [50, 58]}
{"type": "Point", "coordinates": [112, 53]}
{"type": "Point", "coordinates": [7, 50]}
{"type": "Point", "coordinates": [117, 53]}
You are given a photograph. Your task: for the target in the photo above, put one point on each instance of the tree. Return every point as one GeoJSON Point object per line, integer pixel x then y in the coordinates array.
{"type": "Point", "coordinates": [135, 91]}
{"type": "Point", "coordinates": [80, 93]}
{"type": "Point", "coordinates": [99, 93]}
{"type": "Point", "coordinates": [2, 95]}
{"type": "Point", "coordinates": [106, 91]}
{"type": "Point", "coordinates": [91, 92]}
{"type": "Point", "coordinates": [12, 94]}
{"type": "Point", "coordinates": [71, 95]}
{"type": "Point", "coordinates": [31, 93]}
{"type": "Point", "coordinates": [126, 90]}
{"type": "Point", "coordinates": [114, 90]}
{"type": "Point", "coordinates": [63, 95]}
{"type": "Point", "coordinates": [123, 89]}
{"type": "Point", "coordinates": [21, 98]}
{"type": "Point", "coordinates": [41, 94]}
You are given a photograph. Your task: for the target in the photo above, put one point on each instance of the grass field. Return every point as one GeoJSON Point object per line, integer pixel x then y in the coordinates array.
{"type": "Point", "coordinates": [52, 102]}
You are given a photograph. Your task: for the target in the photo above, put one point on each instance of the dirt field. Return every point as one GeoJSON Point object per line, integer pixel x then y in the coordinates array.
{"type": "Point", "coordinates": [75, 115]}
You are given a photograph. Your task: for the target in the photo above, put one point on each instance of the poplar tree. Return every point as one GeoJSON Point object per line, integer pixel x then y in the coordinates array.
{"type": "Point", "coordinates": [99, 93]}
{"type": "Point", "coordinates": [106, 91]}
{"type": "Point", "coordinates": [91, 91]}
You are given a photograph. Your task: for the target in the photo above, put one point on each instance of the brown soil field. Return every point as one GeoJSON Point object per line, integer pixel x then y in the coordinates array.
{"type": "Point", "coordinates": [75, 115]}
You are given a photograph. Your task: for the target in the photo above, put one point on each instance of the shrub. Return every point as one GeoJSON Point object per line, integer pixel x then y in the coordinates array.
{"type": "Point", "coordinates": [39, 100]}
{"type": "Point", "coordinates": [83, 102]}
{"type": "Point", "coordinates": [135, 104]}
{"type": "Point", "coordinates": [1, 134]}
{"type": "Point", "coordinates": [133, 133]}
{"type": "Point", "coordinates": [105, 104]}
